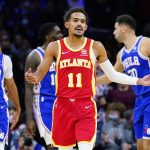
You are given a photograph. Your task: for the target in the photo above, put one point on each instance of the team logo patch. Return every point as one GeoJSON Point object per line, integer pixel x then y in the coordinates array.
{"type": "Point", "coordinates": [147, 130]}
{"type": "Point", "coordinates": [83, 52]}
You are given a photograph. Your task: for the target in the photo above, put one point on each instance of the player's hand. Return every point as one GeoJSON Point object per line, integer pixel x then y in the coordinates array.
{"type": "Point", "coordinates": [144, 81]}
{"type": "Point", "coordinates": [31, 127]}
{"type": "Point", "coordinates": [30, 77]}
{"type": "Point", "coordinates": [15, 118]}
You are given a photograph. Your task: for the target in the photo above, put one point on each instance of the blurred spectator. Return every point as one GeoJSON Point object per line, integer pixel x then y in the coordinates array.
{"type": "Point", "coordinates": [112, 130]}
{"type": "Point", "coordinates": [75, 3]}
{"type": "Point", "coordinates": [26, 142]}
{"type": "Point", "coordinates": [129, 141]}
{"type": "Point", "coordinates": [5, 43]}
{"type": "Point", "coordinates": [101, 117]}
{"type": "Point", "coordinates": [98, 11]}
{"type": "Point", "coordinates": [12, 111]}
{"type": "Point", "coordinates": [19, 50]}
{"type": "Point", "coordinates": [122, 93]}
{"type": "Point", "coordinates": [101, 89]}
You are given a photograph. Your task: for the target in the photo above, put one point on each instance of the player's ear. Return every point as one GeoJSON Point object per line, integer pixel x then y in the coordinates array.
{"type": "Point", "coordinates": [86, 27]}
{"type": "Point", "coordinates": [46, 37]}
{"type": "Point", "coordinates": [124, 28]}
{"type": "Point", "coordinates": [66, 24]}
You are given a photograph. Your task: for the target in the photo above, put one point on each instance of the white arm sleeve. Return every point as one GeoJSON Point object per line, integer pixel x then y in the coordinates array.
{"type": "Point", "coordinates": [115, 76]}
{"type": "Point", "coordinates": [7, 67]}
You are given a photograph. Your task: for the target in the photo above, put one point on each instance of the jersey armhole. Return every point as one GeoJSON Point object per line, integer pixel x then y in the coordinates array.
{"type": "Point", "coordinates": [120, 57]}
{"type": "Point", "coordinates": [59, 50]}
{"type": "Point", "coordinates": [91, 54]}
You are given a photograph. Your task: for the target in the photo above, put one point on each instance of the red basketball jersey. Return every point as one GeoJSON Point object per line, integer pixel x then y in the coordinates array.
{"type": "Point", "coordinates": [75, 77]}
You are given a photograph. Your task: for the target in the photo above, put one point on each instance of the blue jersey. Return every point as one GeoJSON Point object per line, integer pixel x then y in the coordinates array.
{"type": "Point", "coordinates": [136, 65]}
{"type": "Point", "coordinates": [3, 97]}
{"type": "Point", "coordinates": [4, 123]}
{"type": "Point", "coordinates": [44, 97]}
{"type": "Point", "coordinates": [47, 86]}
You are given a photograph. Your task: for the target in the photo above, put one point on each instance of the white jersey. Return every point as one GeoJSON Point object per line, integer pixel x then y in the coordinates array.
{"type": "Point", "coordinates": [7, 65]}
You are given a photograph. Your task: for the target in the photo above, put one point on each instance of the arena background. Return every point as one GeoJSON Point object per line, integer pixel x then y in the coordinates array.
{"type": "Point", "coordinates": [21, 19]}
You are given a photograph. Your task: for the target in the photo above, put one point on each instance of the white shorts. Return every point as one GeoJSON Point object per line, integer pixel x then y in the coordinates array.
{"type": "Point", "coordinates": [43, 130]}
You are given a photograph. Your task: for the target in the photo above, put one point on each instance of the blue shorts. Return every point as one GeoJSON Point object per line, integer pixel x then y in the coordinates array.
{"type": "Point", "coordinates": [142, 117]}
{"type": "Point", "coordinates": [43, 106]}
{"type": "Point", "coordinates": [4, 123]}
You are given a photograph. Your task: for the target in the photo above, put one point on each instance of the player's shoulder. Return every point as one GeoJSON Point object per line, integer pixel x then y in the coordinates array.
{"type": "Point", "coordinates": [97, 43]}
{"type": "Point", "coordinates": [6, 58]}
{"type": "Point", "coordinates": [33, 54]}
{"type": "Point", "coordinates": [145, 46]}
{"type": "Point", "coordinates": [33, 57]}
{"type": "Point", "coordinates": [53, 45]}
{"type": "Point", "coordinates": [6, 61]}
{"type": "Point", "coordinates": [53, 48]}
{"type": "Point", "coordinates": [146, 40]}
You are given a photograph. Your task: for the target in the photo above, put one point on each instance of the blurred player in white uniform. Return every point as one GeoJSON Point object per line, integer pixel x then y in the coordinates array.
{"type": "Point", "coordinates": [6, 76]}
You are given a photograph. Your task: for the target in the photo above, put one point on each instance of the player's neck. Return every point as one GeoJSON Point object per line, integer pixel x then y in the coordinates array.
{"type": "Point", "coordinates": [75, 42]}
{"type": "Point", "coordinates": [129, 41]}
{"type": "Point", "coordinates": [45, 45]}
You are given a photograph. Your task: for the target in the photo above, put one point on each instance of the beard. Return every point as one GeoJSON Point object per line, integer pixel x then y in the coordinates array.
{"type": "Point", "coordinates": [78, 35]}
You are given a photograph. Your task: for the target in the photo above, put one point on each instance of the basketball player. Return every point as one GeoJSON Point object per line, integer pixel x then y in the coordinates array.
{"type": "Point", "coordinates": [6, 76]}
{"type": "Point", "coordinates": [42, 94]}
{"type": "Point", "coordinates": [74, 111]}
{"type": "Point", "coordinates": [134, 59]}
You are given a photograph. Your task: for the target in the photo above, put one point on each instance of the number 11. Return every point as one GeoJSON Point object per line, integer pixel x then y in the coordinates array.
{"type": "Point", "coordinates": [71, 83]}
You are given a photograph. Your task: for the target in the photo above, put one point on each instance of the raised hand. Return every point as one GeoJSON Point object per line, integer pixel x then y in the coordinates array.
{"type": "Point", "coordinates": [145, 81]}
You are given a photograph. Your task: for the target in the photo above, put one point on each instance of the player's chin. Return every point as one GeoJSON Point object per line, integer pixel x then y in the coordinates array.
{"type": "Point", "coordinates": [78, 34]}
{"type": "Point", "coordinates": [117, 39]}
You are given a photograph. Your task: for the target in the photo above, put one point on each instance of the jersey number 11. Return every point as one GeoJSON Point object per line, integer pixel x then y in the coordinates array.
{"type": "Point", "coordinates": [71, 82]}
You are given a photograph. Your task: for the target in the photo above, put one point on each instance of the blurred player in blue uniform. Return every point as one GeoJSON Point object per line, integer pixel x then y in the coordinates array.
{"type": "Point", "coordinates": [134, 59]}
{"type": "Point", "coordinates": [42, 95]}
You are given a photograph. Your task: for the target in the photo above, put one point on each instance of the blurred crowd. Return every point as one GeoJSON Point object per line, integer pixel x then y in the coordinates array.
{"type": "Point", "coordinates": [19, 24]}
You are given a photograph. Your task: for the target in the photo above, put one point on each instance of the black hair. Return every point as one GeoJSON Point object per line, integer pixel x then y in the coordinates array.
{"type": "Point", "coordinates": [45, 29]}
{"type": "Point", "coordinates": [73, 10]}
{"type": "Point", "coordinates": [118, 106]}
{"type": "Point", "coordinates": [127, 19]}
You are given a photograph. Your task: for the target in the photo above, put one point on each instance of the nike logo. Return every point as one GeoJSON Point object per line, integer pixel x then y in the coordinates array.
{"type": "Point", "coordinates": [2, 107]}
{"type": "Point", "coordinates": [65, 52]}
{"type": "Point", "coordinates": [72, 99]}
{"type": "Point", "coordinates": [87, 107]}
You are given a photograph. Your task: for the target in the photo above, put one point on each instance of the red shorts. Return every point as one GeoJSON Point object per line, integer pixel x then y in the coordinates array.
{"type": "Point", "coordinates": [74, 120]}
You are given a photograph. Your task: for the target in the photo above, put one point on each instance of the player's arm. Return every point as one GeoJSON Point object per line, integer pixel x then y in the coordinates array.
{"type": "Point", "coordinates": [118, 67]}
{"type": "Point", "coordinates": [12, 89]}
{"type": "Point", "coordinates": [145, 47]}
{"type": "Point", "coordinates": [32, 61]}
{"type": "Point", "coordinates": [50, 53]}
{"type": "Point", "coordinates": [111, 73]}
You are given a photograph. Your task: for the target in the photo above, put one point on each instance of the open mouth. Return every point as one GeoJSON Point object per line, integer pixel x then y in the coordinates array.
{"type": "Point", "coordinates": [79, 29]}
